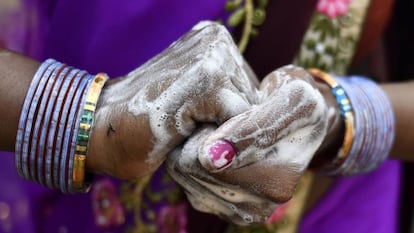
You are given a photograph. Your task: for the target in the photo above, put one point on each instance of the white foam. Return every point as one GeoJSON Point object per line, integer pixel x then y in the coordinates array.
{"type": "Point", "coordinates": [230, 195]}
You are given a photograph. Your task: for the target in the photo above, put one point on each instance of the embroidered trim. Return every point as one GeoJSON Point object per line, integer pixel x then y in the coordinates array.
{"type": "Point", "coordinates": [330, 42]}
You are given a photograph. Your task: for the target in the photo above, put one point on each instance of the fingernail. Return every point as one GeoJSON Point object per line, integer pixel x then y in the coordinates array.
{"type": "Point", "coordinates": [221, 154]}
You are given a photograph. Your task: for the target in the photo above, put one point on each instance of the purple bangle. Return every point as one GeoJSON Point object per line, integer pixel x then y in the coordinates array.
{"type": "Point", "coordinates": [61, 117]}
{"type": "Point", "coordinates": [384, 115]}
{"type": "Point", "coordinates": [41, 125]}
{"type": "Point", "coordinates": [73, 108]}
{"type": "Point", "coordinates": [39, 140]}
{"type": "Point", "coordinates": [21, 150]}
{"type": "Point", "coordinates": [30, 137]}
{"type": "Point", "coordinates": [49, 125]}
{"type": "Point", "coordinates": [374, 126]}
{"type": "Point", "coordinates": [49, 129]}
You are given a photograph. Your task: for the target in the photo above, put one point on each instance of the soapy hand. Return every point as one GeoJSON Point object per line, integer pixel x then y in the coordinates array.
{"type": "Point", "coordinates": [274, 140]}
{"type": "Point", "coordinates": [201, 78]}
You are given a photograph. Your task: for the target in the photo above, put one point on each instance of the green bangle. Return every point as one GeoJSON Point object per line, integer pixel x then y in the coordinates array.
{"type": "Point", "coordinates": [85, 126]}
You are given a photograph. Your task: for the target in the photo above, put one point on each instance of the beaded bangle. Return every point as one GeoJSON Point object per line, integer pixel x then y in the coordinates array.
{"type": "Point", "coordinates": [369, 124]}
{"type": "Point", "coordinates": [55, 124]}
{"type": "Point", "coordinates": [85, 126]}
{"type": "Point", "coordinates": [347, 116]}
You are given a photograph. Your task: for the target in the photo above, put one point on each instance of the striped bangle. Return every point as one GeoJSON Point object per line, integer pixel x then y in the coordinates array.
{"type": "Point", "coordinates": [347, 116]}
{"type": "Point", "coordinates": [23, 133]}
{"type": "Point", "coordinates": [374, 125]}
{"type": "Point", "coordinates": [55, 124]}
{"type": "Point", "coordinates": [71, 132]}
{"type": "Point", "coordinates": [85, 125]}
{"type": "Point", "coordinates": [369, 124]}
{"type": "Point", "coordinates": [59, 119]}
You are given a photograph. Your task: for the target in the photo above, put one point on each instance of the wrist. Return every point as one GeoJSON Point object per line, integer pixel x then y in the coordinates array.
{"type": "Point", "coordinates": [333, 140]}
{"type": "Point", "coordinates": [54, 126]}
{"type": "Point", "coordinates": [103, 139]}
{"type": "Point", "coordinates": [368, 125]}
{"type": "Point", "coordinates": [120, 140]}
{"type": "Point", "coordinates": [16, 73]}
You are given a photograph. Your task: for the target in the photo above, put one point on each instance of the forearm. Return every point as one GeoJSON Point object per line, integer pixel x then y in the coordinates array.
{"type": "Point", "coordinates": [402, 96]}
{"type": "Point", "coordinates": [16, 73]}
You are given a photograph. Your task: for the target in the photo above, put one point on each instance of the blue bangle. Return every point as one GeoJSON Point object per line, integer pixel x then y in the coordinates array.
{"type": "Point", "coordinates": [375, 125]}
{"type": "Point", "coordinates": [61, 117]}
{"type": "Point", "coordinates": [31, 131]}
{"type": "Point", "coordinates": [49, 146]}
{"type": "Point", "coordinates": [68, 141]}
{"type": "Point", "coordinates": [42, 122]}
{"type": "Point", "coordinates": [21, 154]}
{"type": "Point", "coordinates": [347, 116]}
{"type": "Point", "coordinates": [53, 110]}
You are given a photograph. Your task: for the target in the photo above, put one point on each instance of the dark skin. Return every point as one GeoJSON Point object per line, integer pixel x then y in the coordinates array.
{"type": "Point", "coordinates": [122, 142]}
{"type": "Point", "coordinates": [377, 19]}
{"type": "Point", "coordinates": [16, 74]}
{"type": "Point", "coordinates": [19, 68]}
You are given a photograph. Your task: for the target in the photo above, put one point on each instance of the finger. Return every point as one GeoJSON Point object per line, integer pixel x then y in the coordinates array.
{"type": "Point", "coordinates": [232, 204]}
{"type": "Point", "coordinates": [200, 78]}
{"type": "Point", "coordinates": [278, 78]}
{"type": "Point", "coordinates": [291, 117]}
{"type": "Point", "coordinates": [266, 178]}
{"type": "Point", "coordinates": [204, 79]}
{"type": "Point", "coordinates": [227, 84]}
{"type": "Point", "coordinates": [211, 195]}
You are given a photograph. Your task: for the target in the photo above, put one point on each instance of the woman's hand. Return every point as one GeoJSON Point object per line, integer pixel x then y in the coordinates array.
{"type": "Point", "coordinates": [201, 78]}
{"type": "Point", "coordinates": [275, 141]}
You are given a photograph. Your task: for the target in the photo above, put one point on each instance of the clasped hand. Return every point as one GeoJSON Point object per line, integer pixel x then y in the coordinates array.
{"type": "Point", "coordinates": [200, 92]}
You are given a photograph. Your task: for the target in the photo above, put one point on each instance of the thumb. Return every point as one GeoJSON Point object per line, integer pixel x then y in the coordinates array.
{"type": "Point", "coordinates": [290, 121]}
{"type": "Point", "coordinates": [240, 135]}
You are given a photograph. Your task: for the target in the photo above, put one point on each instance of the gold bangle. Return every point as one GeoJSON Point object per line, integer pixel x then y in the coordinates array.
{"type": "Point", "coordinates": [85, 126]}
{"type": "Point", "coordinates": [347, 113]}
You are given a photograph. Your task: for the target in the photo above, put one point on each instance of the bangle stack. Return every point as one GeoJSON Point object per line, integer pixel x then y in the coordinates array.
{"type": "Point", "coordinates": [347, 116]}
{"type": "Point", "coordinates": [55, 124]}
{"type": "Point", "coordinates": [369, 124]}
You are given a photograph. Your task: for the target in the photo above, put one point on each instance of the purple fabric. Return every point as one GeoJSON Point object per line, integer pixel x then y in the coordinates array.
{"type": "Point", "coordinates": [366, 203]}
{"type": "Point", "coordinates": [115, 37]}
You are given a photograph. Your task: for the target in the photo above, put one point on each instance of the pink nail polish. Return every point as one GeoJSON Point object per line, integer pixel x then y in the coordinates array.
{"type": "Point", "coordinates": [221, 154]}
